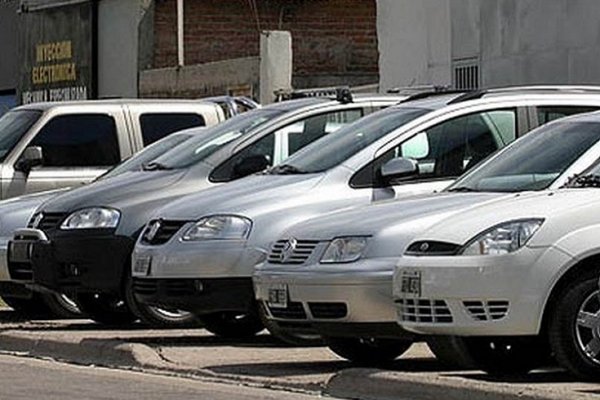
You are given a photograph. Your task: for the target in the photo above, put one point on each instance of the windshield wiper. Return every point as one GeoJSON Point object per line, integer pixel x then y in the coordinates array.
{"type": "Point", "coordinates": [155, 166]}
{"type": "Point", "coordinates": [284, 169]}
{"type": "Point", "coordinates": [464, 189]}
{"type": "Point", "coordinates": [584, 181]}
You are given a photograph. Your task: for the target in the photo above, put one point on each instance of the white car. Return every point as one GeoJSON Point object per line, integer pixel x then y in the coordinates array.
{"type": "Point", "coordinates": [516, 280]}
{"type": "Point", "coordinates": [342, 288]}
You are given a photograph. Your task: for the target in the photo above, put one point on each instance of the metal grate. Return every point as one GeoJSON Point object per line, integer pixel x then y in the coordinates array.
{"type": "Point", "coordinates": [328, 310]}
{"type": "Point", "coordinates": [47, 221]}
{"type": "Point", "coordinates": [432, 248]}
{"type": "Point", "coordinates": [466, 74]}
{"type": "Point", "coordinates": [292, 251]}
{"type": "Point", "coordinates": [160, 232]}
{"type": "Point", "coordinates": [424, 310]}
{"type": "Point", "coordinates": [492, 310]}
{"type": "Point", "coordinates": [294, 310]}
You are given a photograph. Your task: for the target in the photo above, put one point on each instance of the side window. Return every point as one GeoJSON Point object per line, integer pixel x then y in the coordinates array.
{"type": "Point", "coordinates": [546, 114]}
{"type": "Point", "coordinates": [158, 125]}
{"type": "Point", "coordinates": [446, 150]}
{"type": "Point", "coordinates": [296, 135]}
{"type": "Point", "coordinates": [81, 140]}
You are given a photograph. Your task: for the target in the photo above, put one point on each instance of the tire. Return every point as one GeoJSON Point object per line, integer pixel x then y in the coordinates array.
{"type": "Point", "coordinates": [570, 331]}
{"type": "Point", "coordinates": [158, 317]}
{"type": "Point", "coordinates": [31, 307]}
{"type": "Point", "coordinates": [369, 352]}
{"type": "Point", "coordinates": [505, 355]}
{"type": "Point", "coordinates": [61, 306]}
{"type": "Point", "coordinates": [450, 352]}
{"type": "Point", "coordinates": [232, 325]}
{"type": "Point", "coordinates": [105, 309]}
{"type": "Point", "coordinates": [295, 339]}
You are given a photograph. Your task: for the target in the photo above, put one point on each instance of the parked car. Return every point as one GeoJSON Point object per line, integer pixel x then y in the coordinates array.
{"type": "Point", "coordinates": [517, 279]}
{"type": "Point", "coordinates": [46, 146]}
{"type": "Point", "coordinates": [70, 234]}
{"type": "Point", "coordinates": [16, 212]}
{"type": "Point", "coordinates": [342, 288]}
{"type": "Point", "coordinates": [198, 253]}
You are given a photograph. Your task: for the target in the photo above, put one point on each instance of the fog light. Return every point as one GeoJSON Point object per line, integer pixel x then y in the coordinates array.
{"type": "Point", "coordinates": [198, 286]}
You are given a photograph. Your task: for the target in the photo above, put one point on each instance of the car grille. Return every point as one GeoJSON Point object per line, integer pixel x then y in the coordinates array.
{"type": "Point", "coordinates": [328, 310]}
{"type": "Point", "coordinates": [291, 251]}
{"type": "Point", "coordinates": [294, 310]}
{"type": "Point", "coordinates": [432, 248]}
{"type": "Point", "coordinates": [165, 232]}
{"type": "Point", "coordinates": [49, 221]}
{"type": "Point", "coordinates": [168, 287]}
{"type": "Point", "coordinates": [491, 310]}
{"type": "Point", "coordinates": [424, 310]}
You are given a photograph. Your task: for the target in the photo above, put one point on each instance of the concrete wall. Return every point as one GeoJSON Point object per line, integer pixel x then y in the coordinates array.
{"type": "Point", "coordinates": [414, 45]}
{"type": "Point", "coordinates": [8, 44]}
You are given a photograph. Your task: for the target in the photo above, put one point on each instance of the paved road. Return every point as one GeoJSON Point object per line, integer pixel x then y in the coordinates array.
{"type": "Point", "coordinates": [23, 378]}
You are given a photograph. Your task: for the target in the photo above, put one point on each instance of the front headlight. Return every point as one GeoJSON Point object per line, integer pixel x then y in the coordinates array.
{"type": "Point", "coordinates": [502, 239]}
{"type": "Point", "coordinates": [219, 227]}
{"type": "Point", "coordinates": [92, 218]}
{"type": "Point", "coordinates": [344, 249]}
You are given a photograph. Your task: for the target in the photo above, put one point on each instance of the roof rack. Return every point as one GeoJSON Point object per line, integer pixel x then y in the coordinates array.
{"type": "Point", "coordinates": [477, 94]}
{"type": "Point", "coordinates": [342, 94]}
{"type": "Point", "coordinates": [423, 92]}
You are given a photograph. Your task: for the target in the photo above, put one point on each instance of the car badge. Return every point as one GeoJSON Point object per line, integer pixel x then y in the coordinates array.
{"type": "Point", "coordinates": [152, 230]}
{"type": "Point", "coordinates": [289, 249]}
{"type": "Point", "coordinates": [424, 247]}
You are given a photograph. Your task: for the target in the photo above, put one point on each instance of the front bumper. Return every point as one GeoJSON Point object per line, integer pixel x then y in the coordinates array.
{"type": "Point", "coordinates": [4, 274]}
{"type": "Point", "coordinates": [74, 262]}
{"type": "Point", "coordinates": [477, 295]}
{"type": "Point", "coordinates": [199, 296]}
{"type": "Point", "coordinates": [353, 299]}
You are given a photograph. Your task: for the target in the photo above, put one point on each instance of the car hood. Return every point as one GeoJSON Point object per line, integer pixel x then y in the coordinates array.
{"type": "Point", "coordinates": [562, 210]}
{"type": "Point", "coordinates": [241, 196]}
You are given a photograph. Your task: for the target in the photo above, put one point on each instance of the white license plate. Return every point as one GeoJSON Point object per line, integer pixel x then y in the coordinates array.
{"type": "Point", "coordinates": [410, 285]}
{"type": "Point", "coordinates": [278, 296]}
{"type": "Point", "coordinates": [142, 265]}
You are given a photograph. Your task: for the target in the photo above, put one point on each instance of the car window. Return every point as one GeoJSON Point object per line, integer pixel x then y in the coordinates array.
{"type": "Point", "coordinates": [546, 114]}
{"type": "Point", "coordinates": [534, 161]}
{"type": "Point", "coordinates": [297, 135]}
{"type": "Point", "coordinates": [13, 125]}
{"type": "Point", "coordinates": [158, 125]}
{"type": "Point", "coordinates": [445, 150]}
{"type": "Point", "coordinates": [80, 140]}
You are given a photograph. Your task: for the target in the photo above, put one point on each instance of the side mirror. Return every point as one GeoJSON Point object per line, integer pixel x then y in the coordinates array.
{"type": "Point", "coordinates": [250, 165]}
{"type": "Point", "coordinates": [398, 168]}
{"type": "Point", "coordinates": [31, 157]}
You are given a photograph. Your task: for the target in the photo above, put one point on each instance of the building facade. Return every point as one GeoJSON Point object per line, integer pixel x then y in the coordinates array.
{"type": "Point", "coordinates": [8, 54]}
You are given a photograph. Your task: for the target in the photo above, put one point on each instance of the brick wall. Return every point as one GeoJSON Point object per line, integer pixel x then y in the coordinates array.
{"type": "Point", "coordinates": [334, 41]}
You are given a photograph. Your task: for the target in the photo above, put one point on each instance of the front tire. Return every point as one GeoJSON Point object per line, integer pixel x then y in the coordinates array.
{"type": "Point", "coordinates": [371, 352]}
{"type": "Point", "coordinates": [105, 309]}
{"type": "Point", "coordinates": [61, 305]}
{"type": "Point", "coordinates": [574, 329]}
{"type": "Point", "coordinates": [233, 325]}
{"type": "Point", "coordinates": [450, 351]}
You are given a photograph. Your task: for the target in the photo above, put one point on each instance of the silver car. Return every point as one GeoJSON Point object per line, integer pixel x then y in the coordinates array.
{"type": "Point", "coordinates": [198, 253]}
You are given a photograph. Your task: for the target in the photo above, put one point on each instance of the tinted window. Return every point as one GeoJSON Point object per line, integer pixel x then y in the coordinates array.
{"type": "Point", "coordinates": [156, 126]}
{"type": "Point", "coordinates": [445, 150]}
{"type": "Point", "coordinates": [534, 161]}
{"type": "Point", "coordinates": [337, 147]}
{"type": "Point", "coordinates": [546, 114]}
{"type": "Point", "coordinates": [13, 125]}
{"type": "Point", "coordinates": [82, 140]}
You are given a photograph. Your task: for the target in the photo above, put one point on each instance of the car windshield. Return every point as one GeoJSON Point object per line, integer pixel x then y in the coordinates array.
{"type": "Point", "coordinates": [337, 147]}
{"type": "Point", "coordinates": [198, 148]}
{"type": "Point", "coordinates": [13, 125]}
{"type": "Point", "coordinates": [148, 154]}
{"type": "Point", "coordinates": [533, 162]}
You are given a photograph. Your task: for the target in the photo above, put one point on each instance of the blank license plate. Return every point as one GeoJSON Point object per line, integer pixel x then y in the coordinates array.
{"type": "Point", "coordinates": [142, 265]}
{"type": "Point", "coordinates": [278, 296]}
{"type": "Point", "coordinates": [411, 283]}
{"type": "Point", "coordinates": [20, 252]}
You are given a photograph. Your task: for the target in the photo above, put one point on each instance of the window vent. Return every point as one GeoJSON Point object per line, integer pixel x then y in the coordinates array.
{"type": "Point", "coordinates": [466, 74]}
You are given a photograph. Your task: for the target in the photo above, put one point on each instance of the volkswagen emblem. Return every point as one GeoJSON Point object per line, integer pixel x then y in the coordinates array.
{"type": "Point", "coordinates": [288, 249]}
{"type": "Point", "coordinates": [424, 247]}
{"type": "Point", "coordinates": [152, 230]}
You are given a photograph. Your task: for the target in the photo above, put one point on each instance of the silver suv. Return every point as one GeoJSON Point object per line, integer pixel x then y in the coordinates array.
{"type": "Point", "coordinates": [46, 146]}
{"type": "Point", "coordinates": [198, 253]}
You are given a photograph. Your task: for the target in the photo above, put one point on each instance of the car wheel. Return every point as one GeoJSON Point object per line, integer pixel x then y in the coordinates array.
{"type": "Point", "coordinates": [61, 305]}
{"type": "Point", "coordinates": [574, 329]}
{"type": "Point", "coordinates": [232, 325]}
{"type": "Point", "coordinates": [293, 338]}
{"type": "Point", "coordinates": [105, 309]}
{"type": "Point", "coordinates": [449, 351]}
{"type": "Point", "coordinates": [505, 355]}
{"type": "Point", "coordinates": [31, 307]}
{"type": "Point", "coordinates": [370, 352]}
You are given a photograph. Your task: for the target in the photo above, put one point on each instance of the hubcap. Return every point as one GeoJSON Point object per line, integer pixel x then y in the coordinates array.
{"type": "Point", "coordinates": [587, 327]}
{"type": "Point", "coordinates": [170, 314]}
